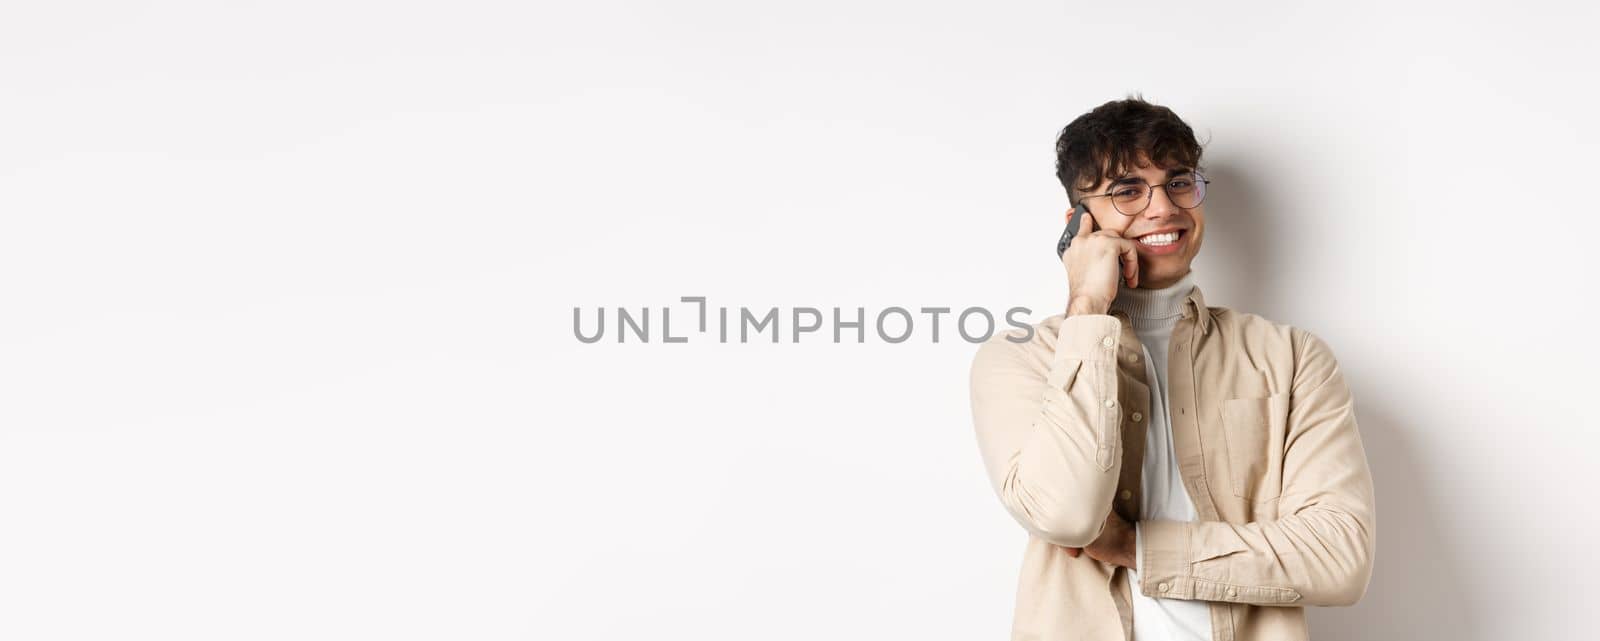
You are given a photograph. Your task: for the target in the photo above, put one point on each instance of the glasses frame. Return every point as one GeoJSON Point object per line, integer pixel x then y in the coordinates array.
{"type": "Point", "coordinates": [1150, 196]}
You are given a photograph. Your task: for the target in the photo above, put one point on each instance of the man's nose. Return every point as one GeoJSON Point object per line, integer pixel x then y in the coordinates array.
{"type": "Point", "coordinates": [1161, 205]}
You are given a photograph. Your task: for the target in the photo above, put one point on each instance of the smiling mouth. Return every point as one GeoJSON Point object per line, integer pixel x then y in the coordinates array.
{"type": "Point", "coordinates": [1167, 239]}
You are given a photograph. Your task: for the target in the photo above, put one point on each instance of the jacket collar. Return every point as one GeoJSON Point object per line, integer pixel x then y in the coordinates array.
{"type": "Point", "coordinates": [1196, 306]}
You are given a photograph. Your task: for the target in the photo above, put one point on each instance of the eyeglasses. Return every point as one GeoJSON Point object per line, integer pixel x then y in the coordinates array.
{"type": "Point", "coordinates": [1185, 190]}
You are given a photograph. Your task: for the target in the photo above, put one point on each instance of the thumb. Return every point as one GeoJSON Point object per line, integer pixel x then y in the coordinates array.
{"type": "Point", "coordinates": [1085, 225]}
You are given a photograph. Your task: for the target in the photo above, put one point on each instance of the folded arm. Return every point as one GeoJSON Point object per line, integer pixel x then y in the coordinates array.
{"type": "Point", "coordinates": [1320, 551]}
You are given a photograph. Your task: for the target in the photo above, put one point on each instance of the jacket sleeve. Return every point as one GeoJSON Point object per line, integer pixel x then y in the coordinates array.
{"type": "Point", "coordinates": [1320, 550]}
{"type": "Point", "coordinates": [1048, 427]}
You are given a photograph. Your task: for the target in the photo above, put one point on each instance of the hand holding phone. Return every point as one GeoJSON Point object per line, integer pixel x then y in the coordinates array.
{"type": "Point", "coordinates": [1072, 229]}
{"type": "Point", "coordinates": [1093, 270]}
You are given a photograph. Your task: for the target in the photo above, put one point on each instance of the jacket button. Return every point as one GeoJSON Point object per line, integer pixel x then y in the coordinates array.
{"type": "Point", "coordinates": [1127, 494]}
{"type": "Point", "coordinates": [1233, 592]}
{"type": "Point", "coordinates": [1162, 586]}
{"type": "Point", "coordinates": [1107, 341]}
{"type": "Point", "coordinates": [1136, 416]}
{"type": "Point", "coordinates": [1111, 402]}
{"type": "Point", "coordinates": [1133, 358]}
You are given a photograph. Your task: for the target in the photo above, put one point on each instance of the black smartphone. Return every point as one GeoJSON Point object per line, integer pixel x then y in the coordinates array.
{"type": "Point", "coordinates": [1078, 214]}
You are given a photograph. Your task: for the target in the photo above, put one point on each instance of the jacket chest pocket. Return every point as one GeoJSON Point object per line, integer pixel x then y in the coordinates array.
{"type": "Point", "coordinates": [1255, 429]}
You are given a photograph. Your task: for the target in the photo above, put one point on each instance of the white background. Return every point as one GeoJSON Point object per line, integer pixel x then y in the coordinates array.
{"type": "Point", "coordinates": [286, 347]}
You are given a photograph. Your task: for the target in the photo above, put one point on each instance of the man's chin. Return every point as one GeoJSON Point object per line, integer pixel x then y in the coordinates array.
{"type": "Point", "coordinates": [1160, 280]}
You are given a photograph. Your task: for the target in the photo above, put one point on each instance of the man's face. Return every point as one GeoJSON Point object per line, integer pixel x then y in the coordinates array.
{"type": "Point", "coordinates": [1159, 266]}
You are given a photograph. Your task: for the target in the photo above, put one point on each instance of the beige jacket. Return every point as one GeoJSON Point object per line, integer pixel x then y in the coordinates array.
{"type": "Point", "coordinates": [1264, 430]}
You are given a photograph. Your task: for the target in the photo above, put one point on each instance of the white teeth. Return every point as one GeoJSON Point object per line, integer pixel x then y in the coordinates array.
{"type": "Point", "coordinates": [1159, 240]}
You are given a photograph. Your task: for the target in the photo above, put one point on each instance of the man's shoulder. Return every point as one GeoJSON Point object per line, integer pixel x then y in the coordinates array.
{"type": "Point", "coordinates": [1254, 331]}
{"type": "Point", "coordinates": [1243, 321]}
{"type": "Point", "coordinates": [1245, 330]}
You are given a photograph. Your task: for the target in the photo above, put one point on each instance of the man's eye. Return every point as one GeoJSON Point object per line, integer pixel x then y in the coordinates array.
{"type": "Point", "coordinates": [1183, 183]}
{"type": "Point", "coordinates": [1126, 192]}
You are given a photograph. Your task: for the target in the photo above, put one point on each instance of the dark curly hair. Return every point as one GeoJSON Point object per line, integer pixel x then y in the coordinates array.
{"type": "Point", "coordinates": [1107, 142]}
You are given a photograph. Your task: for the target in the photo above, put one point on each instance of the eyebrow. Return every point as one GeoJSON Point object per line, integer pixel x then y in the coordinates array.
{"type": "Point", "coordinates": [1130, 178]}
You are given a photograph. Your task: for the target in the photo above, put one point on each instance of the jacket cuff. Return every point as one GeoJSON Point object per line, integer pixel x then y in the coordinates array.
{"type": "Point", "coordinates": [1163, 557]}
{"type": "Point", "coordinates": [1175, 567]}
{"type": "Point", "coordinates": [1088, 337]}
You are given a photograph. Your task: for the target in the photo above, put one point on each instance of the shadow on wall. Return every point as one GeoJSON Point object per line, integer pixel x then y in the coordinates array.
{"type": "Point", "coordinates": [1417, 590]}
{"type": "Point", "coordinates": [1241, 238]}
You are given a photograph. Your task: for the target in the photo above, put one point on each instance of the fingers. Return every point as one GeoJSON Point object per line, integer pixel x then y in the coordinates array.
{"type": "Point", "coordinates": [1130, 263]}
{"type": "Point", "coordinates": [1127, 257]}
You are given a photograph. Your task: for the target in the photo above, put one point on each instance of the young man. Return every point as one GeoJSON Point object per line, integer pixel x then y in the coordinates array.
{"type": "Point", "coordinates": [1184, 471]}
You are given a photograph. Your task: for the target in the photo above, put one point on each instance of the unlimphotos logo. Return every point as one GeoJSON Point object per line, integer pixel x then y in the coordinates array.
{"type": "Point", "coordinates": [738, 324]}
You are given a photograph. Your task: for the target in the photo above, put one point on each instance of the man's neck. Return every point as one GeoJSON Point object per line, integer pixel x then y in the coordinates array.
{"type": "Point", "coordinates": [1154, 307]}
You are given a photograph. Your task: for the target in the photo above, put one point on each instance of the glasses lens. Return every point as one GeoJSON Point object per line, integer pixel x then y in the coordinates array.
{"type": "Point", "coordinates": [1131, 199]}
{"type": "Point", "coordinates": [1187, 191]}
